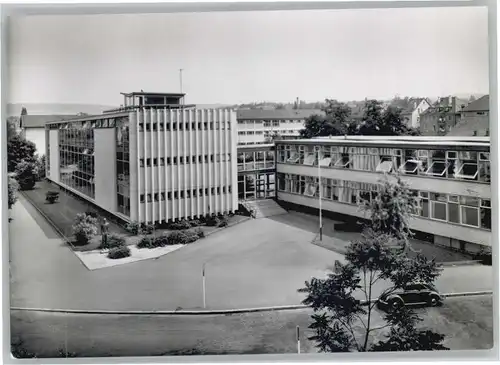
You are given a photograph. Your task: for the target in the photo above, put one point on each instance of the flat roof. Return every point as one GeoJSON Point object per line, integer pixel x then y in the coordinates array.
{"type": "Point", "coordinates": [396, 141]}
{"type": "Point", "coordinates": [91, 117]}
{"type": "Point", "coordinates": [250, 114]}
{"type": "Point", "coordinates": [148, 93]}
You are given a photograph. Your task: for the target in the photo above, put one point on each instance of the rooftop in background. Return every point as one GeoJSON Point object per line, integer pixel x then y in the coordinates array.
{"type": "Point", "coordinates": [480, 105]}
{"type": "Point", "coordinates": [39, 121]}
{"type": "Point", "coordinates": [252, 114]}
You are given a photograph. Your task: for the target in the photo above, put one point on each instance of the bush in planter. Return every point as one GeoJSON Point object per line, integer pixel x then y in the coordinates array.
{"type": "Point", "coordinates": [199, 232]}
{"type": "Point", "coordinates": [484, 256]}
{"type": "Point", "coordinates": [160, 241]}
{"type": "Point", "coordinates": [133, 228]}
{"type": "Point", "coordinates": [84, 228]}
{"type": "Point", "coordinates": [181, 237]}
{"type": "Point", "coordinates": [195, 223]}
{"type": "Point", "coordinates": [112, 241]}
{"type": "Point", "coordinates": [213, 221]}
{"type": "Point", "coordinates": [146, 242]}
{"type": "Point", "coordinates": [147, 228]}
{"type": "Point", "coordinates": [119, 252]}
{"type": "Point", "coordinates": [223, 222]}
{"type": "Point", "coordinates": [182, 224]}
{"type": "Point", "coordinates": [191, 237]}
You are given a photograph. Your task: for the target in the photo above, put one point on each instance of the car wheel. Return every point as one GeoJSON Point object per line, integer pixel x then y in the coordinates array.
{"type": "Point", "coordinates": [434, 301]}
{"type": "Point", "coordinates": [396, 303]}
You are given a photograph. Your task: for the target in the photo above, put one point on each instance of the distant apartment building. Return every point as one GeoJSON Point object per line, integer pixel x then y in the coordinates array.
{"type": "Point", "coordinates": [411, 115]}
{"type": "Point", "coordinates": [260, 126]}
{"type": "Point", "coordinates": [257, 129]}
{"type": "Point", "coordinates": [475, 119]}
{"type": "Point", "coordinates": [154, 160]}
{"type": "Point", "coordinates": [449, 176]}
{"type": "Point", "coordinates": [442, 116]}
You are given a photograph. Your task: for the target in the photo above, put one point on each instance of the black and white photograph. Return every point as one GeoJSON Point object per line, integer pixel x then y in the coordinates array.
{"type": "Point", "coordinates": [250, 182]}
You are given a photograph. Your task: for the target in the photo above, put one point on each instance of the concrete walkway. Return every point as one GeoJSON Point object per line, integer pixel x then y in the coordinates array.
{"type": "Point", "coordinates": [253, 264]}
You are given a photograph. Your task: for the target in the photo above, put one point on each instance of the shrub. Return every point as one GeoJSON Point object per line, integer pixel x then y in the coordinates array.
{"type": "Point", "coordinates": [178, 238]}
{"type": "Point", "coordinates": [191, 237]}
{"type": "Point", "coordinates": [40, 167]}
{"type": "Point", "coordinates": [195, 223]}
{"type": "Point", "coordinates": [199, 232]}
{"type": "Point", "coordinates": [182, 224]}
{"type": "Point", "coordinates": [112, 241]}
{"type": "Point", "coordinates": [223, 221]}
{"type": "Point", "coordinates": [133, 228]}
{"type": "Point", "coordinates": [26, 174]}
{"type": "Point", "coordinates": [160, 241]}
{"type": "Point", "coordinates": [146, 242]}
{"type": "Point", "coordinates": [484, 256]}
{"type": "Point", "coordinates": [119, 252]}
{"type": "Point", "coordinates": [147, 228]}
{"type": "Point", "coordinates": [213, 221]}
{"type": "Point", "coordinates": [13, 188]}
{"type": "Point", "coordinates": [84, 228]}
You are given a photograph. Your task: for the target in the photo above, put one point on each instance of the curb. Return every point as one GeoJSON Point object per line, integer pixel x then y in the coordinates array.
{"type": "Point", "coordinates": [460, 263]}
{"type": "Point", "coordinates": [211, 312]}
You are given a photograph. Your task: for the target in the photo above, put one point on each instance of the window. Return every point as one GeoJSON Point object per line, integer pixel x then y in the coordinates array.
{"type": "Point", "coordinates": [149, 198]}
{"type": "Point", "coordinates": [343, 161]}
{"type": "Point", "coordinates": [156, 197]}
{"type": "Point", "coordinates": [141, 162]}
{"type": "Point", "coordinates": [438, 206]}
{"type": "Point", "coordinates": [485, 213]}
{"type": "Point", "coordinates": [424, 204]}
{"type": "Point", "coordinates": [155, 161]}
{"type": "Point", "coordinates": [142, 198]}
{"type": "Point", "coordinates": [294, 157]}
{"type": "Point", "coordinates": [437, 168]}
{"type": "Point", "coordinates": [470, 216]}
{"type": "Point", "coordinates": [162, 196]}
{"type": "Point", "coordinates": [309, 159]}
{"type": "Point", "coordinates": [169, 195]}
{"type": "Point", "coordinates": [162, 161]}
{"type": "Point", "coordinates": [453, 209]}
{"type": "Point", "coordinates": [484, 156]}
{"type": "Point", "coordinates": [148, 162]}
{"type": "Point", "coordinates": [386, 165]}
{"type": "Point", "coordinates": [174, 160]}
{"type": "Point", "coordinates": [467, 171]}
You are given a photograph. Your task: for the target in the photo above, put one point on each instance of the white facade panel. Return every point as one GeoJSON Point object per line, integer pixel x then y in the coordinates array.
{"type": "Point", "coordinates": [105, 168]}
{"type": "Point", "coordinates": [54, 154]}
{"type": "Point", "coordinates": [190, 181]}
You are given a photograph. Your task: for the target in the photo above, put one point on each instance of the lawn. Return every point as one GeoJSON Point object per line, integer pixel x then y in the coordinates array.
{"type": "Point", "coordinates": [466, 322]}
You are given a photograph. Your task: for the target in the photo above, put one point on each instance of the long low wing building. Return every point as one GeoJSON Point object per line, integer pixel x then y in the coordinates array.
{"type": "Point", "coordinates": [449, 176]}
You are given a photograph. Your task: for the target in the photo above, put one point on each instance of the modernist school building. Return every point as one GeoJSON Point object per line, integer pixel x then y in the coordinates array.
{"type": "Point", "coordinates": [151, 163]}
{"type": "Point", "coordinates": [449, 176]}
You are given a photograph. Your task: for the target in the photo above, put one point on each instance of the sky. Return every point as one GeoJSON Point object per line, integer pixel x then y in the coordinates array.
{"type": "Point", "coordinates": [239, 57]}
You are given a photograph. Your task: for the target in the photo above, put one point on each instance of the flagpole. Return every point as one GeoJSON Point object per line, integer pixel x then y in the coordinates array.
{"type": "Point", "coordinates": [298, 340]}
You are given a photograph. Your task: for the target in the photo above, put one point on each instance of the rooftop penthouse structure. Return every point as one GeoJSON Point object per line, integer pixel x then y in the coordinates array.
{"type": "Point", "coordinates": [449, 176]}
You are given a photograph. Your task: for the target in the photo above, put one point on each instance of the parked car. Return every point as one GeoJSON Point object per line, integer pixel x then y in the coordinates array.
{"type": "Point", "coordinates": [413, 294]}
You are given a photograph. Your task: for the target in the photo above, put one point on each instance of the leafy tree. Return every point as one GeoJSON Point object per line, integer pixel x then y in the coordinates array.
{"type": "Point", "coordinates": [333, 123]}
{"type": "Point", "coordinates": [40, 166]}
{"type": "Point", "coordinates": [26, 174]}
{"type": "Point", "coordinates": [84, 228]}
{"type": "Point", "coordinates": [13, 188]}
{"type": "Point", "coordinates": [12, 123]}
{"type": "Point", "coordinates": [379, 122]}
{"type": "Point", "coordinates": [342, 322]}
{"type": "Point", "coordinates": [19, 149]}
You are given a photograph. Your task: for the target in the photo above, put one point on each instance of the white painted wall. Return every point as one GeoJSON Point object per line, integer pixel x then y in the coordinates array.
{"type": "Point", "coordinates": [54, 154]}
{"type": "Point", "coordinates": [37, 136]}
{"type": "Point", "coordinates": [469, 234]}
{"type": "Point", "coordinates": [105, 168]}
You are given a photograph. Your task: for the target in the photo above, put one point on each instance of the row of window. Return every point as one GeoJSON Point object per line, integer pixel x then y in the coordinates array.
{"type": "Point", "coordinates": [160, 161]}
{"type": "Point", "coordinates": [268, 123]}
{"type": "Point", "coordinates": [90, 124]}
{"type": "Point", "coordinates": [191, 193]}
{"type": "Point", "coordinates": [267, 134]}
{"type": "Point", "coordinates": [463, 210]}
{"type": "Point", "coordinates": [174, 126]}
{"type": "Point", "coordinates": [464, 165]}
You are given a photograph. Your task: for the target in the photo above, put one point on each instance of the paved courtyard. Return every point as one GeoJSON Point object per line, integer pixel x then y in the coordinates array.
{"type": "Point", "coordinates": [256, 263]}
